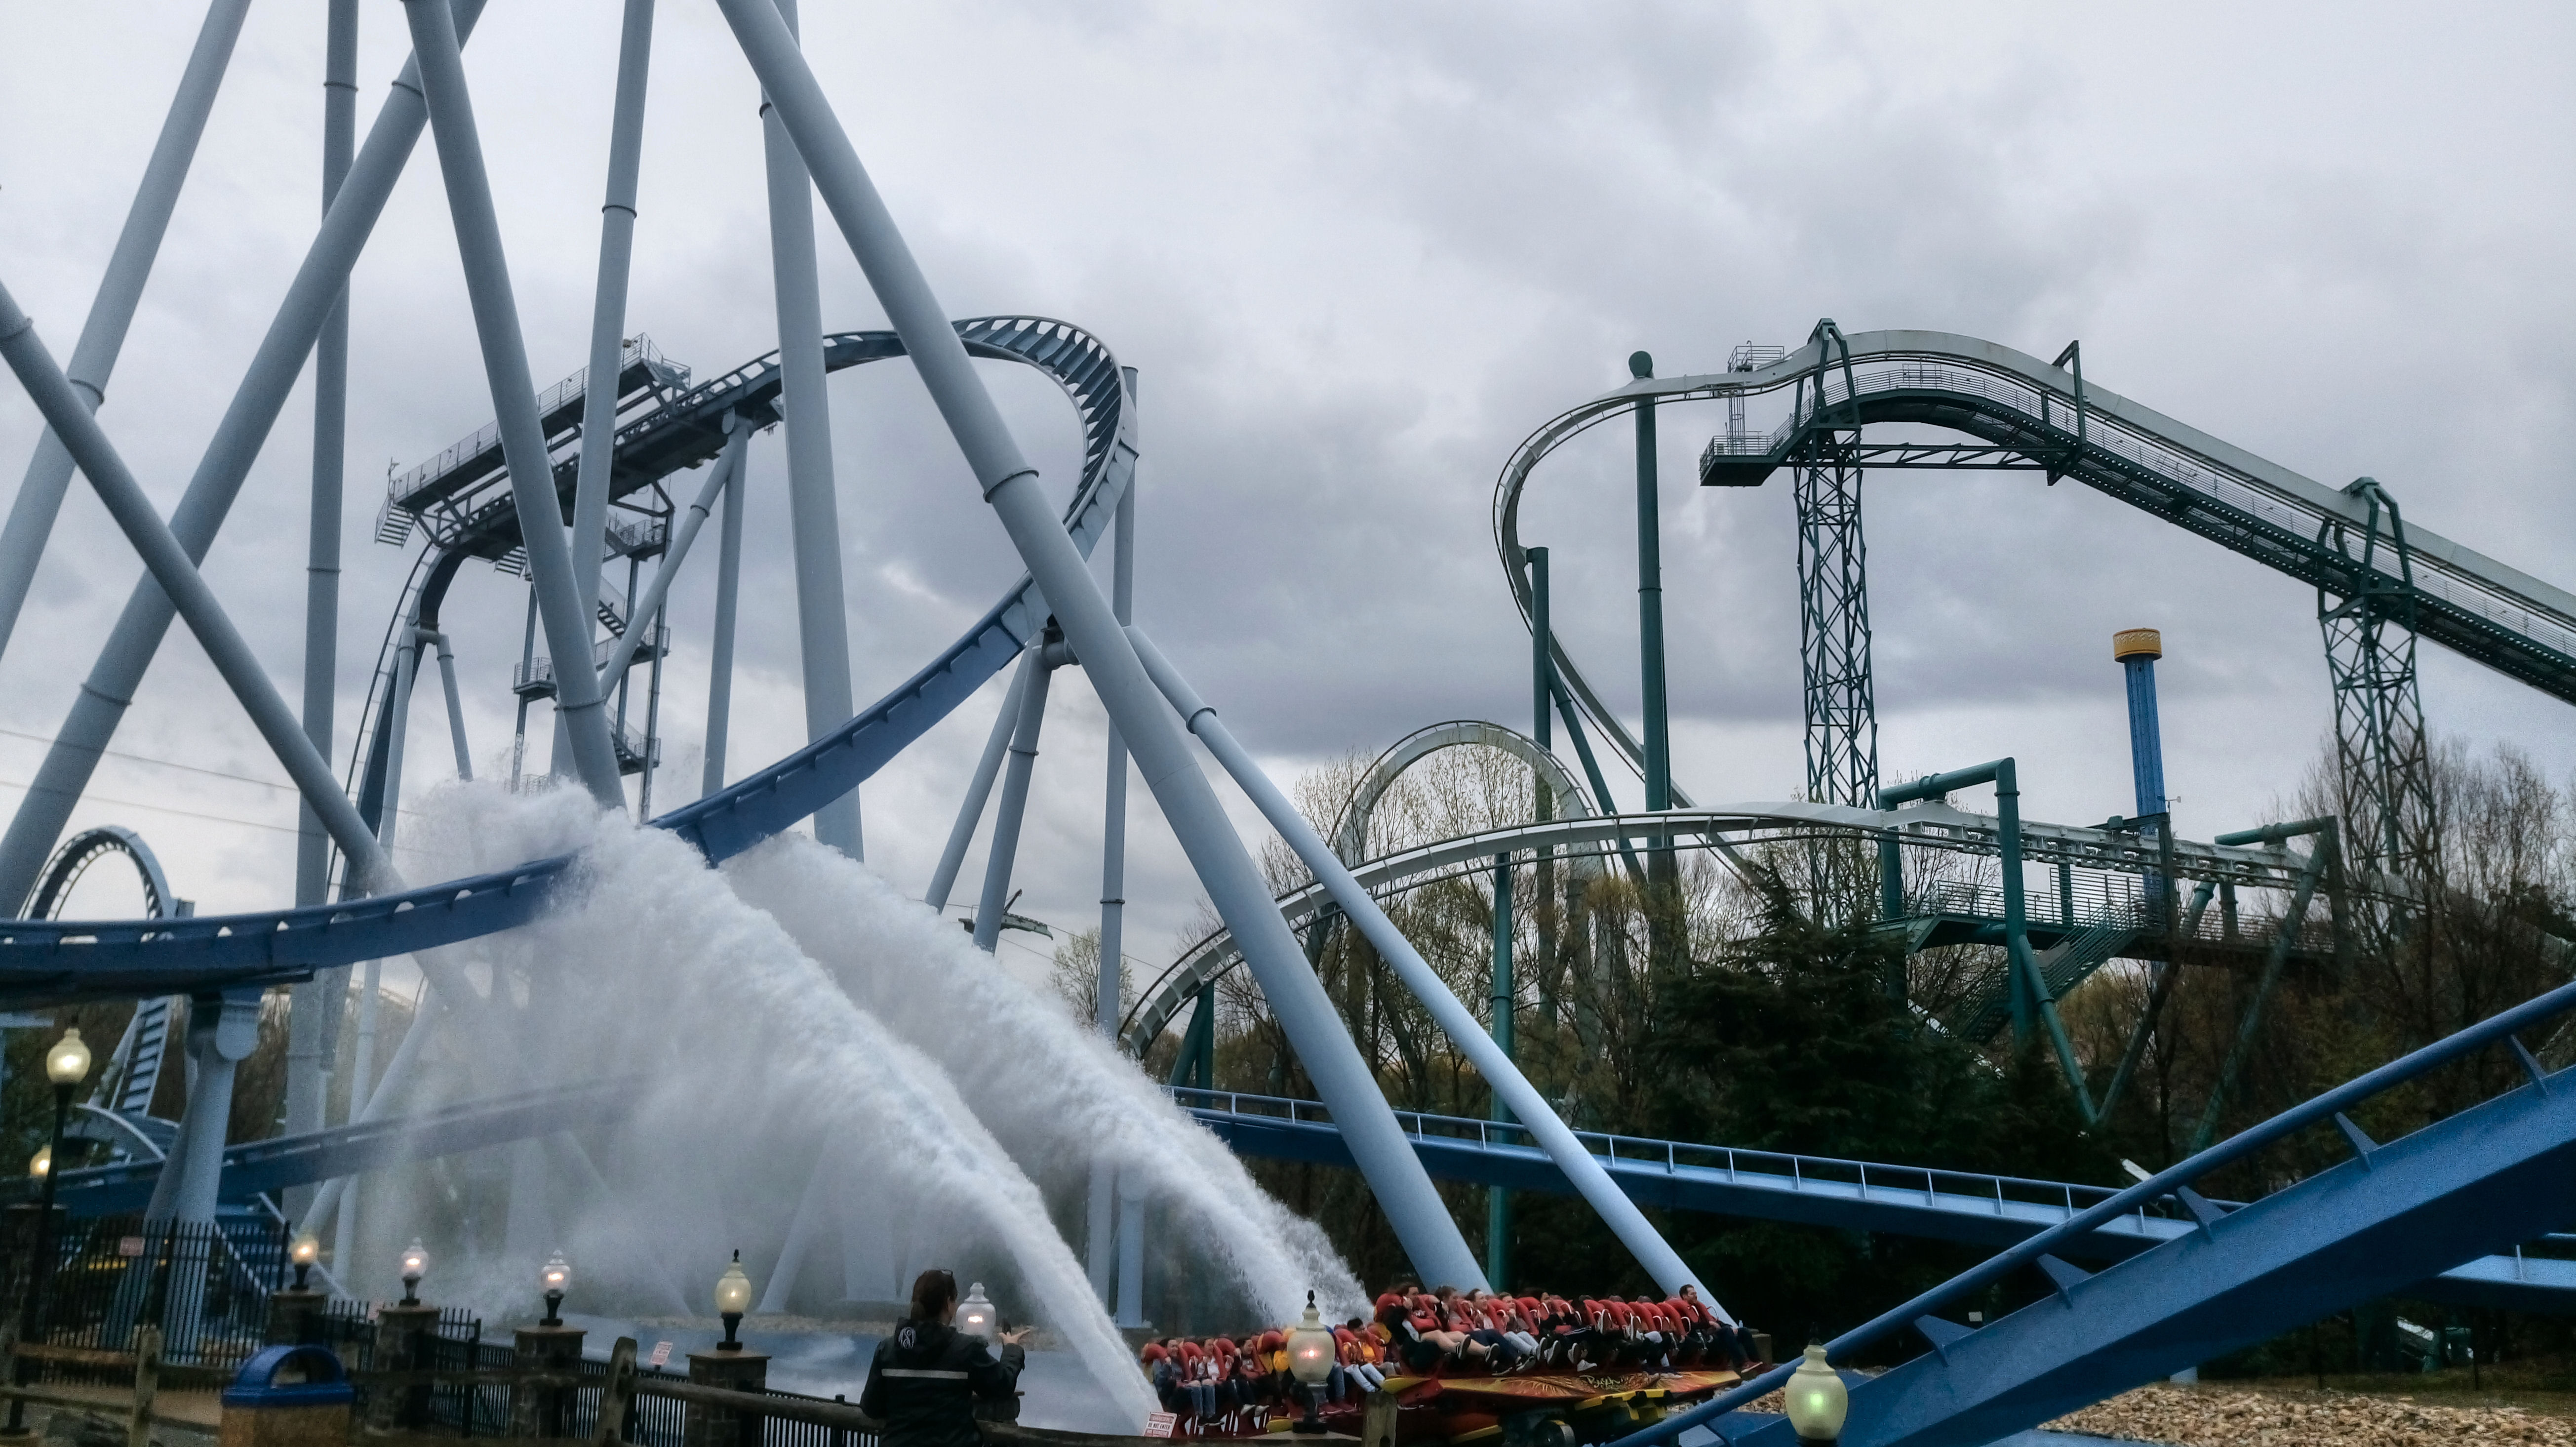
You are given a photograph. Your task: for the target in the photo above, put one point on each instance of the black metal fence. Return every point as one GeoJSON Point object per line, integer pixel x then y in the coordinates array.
{"type": "Point", "coordinates": [205, 1284]}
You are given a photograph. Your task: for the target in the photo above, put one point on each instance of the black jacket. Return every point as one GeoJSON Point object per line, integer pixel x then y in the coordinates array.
{"type": "Point", "coordinates": [924, 1380]}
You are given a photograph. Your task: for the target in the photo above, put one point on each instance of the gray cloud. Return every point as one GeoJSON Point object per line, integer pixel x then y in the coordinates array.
{"type": "Point", "coordinates": [1357, 253]}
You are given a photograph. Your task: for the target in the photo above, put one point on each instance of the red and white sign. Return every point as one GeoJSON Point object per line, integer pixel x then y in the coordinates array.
{"type": "Point", "coordinates": [661, 1355]}
{"type": "Point", "coordinates": [1160, 1424]}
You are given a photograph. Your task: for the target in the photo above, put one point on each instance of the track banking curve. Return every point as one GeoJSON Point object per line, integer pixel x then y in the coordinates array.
{"type": "Point", "coordinates": [62, 960]}
{"type": "Point", "coordinates": [2485, 610]}
{"type": "Point", "coordinates": [1582, 841]}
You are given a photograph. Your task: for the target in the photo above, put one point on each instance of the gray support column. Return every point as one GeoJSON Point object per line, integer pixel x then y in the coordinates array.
{"type": "Point", "coordinates": [1543, 795]}
{"type": "Point", "coordinates": [644, 615]}
{"type": "Point", "coordinates": [1010, 486]}
{"type": "Point", "coordinates": [608, 308]}
{"type": "Point", "coordinates": [455, 708]}
{"type": "Point", "coordinates": [398, 731]}
{"type": "Point", "coordinates": [177, 576]}
{"type": "Point", "coordinates": [111, 310]}
{"type": "Point", "coordinates": [313, 1005]}
{"type": "Point", "coordinates": [720, 667]}
{"type": "Point", "coordinates": [1665, 926]}
{"type": "Point", "coordinates": [1103, 1210]}
{"type": "Point", "coordinates": [1005, 847]}
{"type": "Point", "coordinates": [1491, 1057]}
{"type": "Point", "coordinates": [264, 388]}
{"type": "Point", "coordinates": [1131, 1255]}
{"type": "Point", "coordinates": [814, 514]}
{"type": "Point", "coordinates": [970, 810]}
{"type": "Point", "coordinates": [514, 395]}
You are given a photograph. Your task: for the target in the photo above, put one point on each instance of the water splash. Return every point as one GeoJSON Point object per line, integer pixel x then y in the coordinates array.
{"type": "Point", "coordinates": [756, 1058]}
{"type": "Point", "coordinates": [1052, 1091]}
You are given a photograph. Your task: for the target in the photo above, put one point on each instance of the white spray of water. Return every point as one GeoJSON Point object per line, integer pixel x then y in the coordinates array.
{"type": "Point", "coordinates": [1053, 1091]}
{"type": "Point", "coordinates": [756, 1058]}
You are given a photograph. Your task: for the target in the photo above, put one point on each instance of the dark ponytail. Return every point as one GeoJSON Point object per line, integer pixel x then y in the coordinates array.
{"type": "Point", "coordinates": [933, 1292]}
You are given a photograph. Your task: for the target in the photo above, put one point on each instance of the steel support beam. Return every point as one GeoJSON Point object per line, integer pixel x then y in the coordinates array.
{"type": "Point", "coordinates": [979, 788]}
{"type": "Point", "coordinates": [514, 396]}
{"type": "Point", "coordinates": [608, 310]}
{"type": "Point", "coordinates": [822, 612]}
{"type": "Point", "coordinates": [1833, 634]}
{"type": "Point", "coordinates": [1498, 1202]}
{"type": "Point", "coordinates": [1490, 1056]}
{"type": "Point", "coordinates": [120, 292]}
{"type": "Point", "coordinates": [176, 575]}
{"type": "Point", "coordinates": [310, 298]}
{"type": "Point", "coordinates": [644, 617]}
{"type": "Point", "coordinates": [1004, 851]}
{"type": "Point", "coordinates": [2381, 750]}
{"type": "Point", "coordinates": [720, 665]}
{"type": "Point", "coordinates": [1010, 487]}
{"type": "Point", "coordinates": [1110, 999]}
{"type": "Point", "coordinates": [314, 1005]}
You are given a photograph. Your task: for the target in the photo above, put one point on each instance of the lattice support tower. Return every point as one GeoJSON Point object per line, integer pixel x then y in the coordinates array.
{"type": "Point", "coordinates": [2381, 752]}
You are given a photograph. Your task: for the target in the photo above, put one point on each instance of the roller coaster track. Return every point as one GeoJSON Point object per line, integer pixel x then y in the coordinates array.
{"type": "Point", "coordinates": [2019, 407]}
{"type": "Point", "coordinates": [1937, 826]}
{"type": "Point", "coordinates": [478, 516]}
{"type": "Point", "coordinates": [62, 960]}
{"type": "Point", "coordinates": [1972, 1207]}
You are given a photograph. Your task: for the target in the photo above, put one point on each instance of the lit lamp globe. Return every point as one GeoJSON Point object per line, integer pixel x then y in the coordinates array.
{"type": "Point", "coordinates": [554, 1279]}
{"type": "Point", "coordinates": [415, 1265]}
{"type": "Point", "coordinates": [41, 1164]}
{"type": "Point", "coordinates": [976, 1317]}
{"type": "Point", "coordinates": [67, 1064]}
{"type": "Point", "coordinates": [1817, 1400]}
{"type": "Point", "coordinates": [306, 1250]}
{"type": "Point", "coordinates": [733, 1298]}
{"type": "Point", "coordinates": [1310, 1361]}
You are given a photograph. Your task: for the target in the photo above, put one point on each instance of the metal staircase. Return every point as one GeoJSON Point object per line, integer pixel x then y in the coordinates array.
{"type": "Point", "coordinates": [2064, 965]}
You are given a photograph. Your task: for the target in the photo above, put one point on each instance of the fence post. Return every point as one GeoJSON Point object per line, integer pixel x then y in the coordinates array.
{"type": "Point", "coordinates": [544, 1409]}
{"type": "Point", "coordinates": [147, 1384]}
{"type": "Point", "coordinates": [739, 1371]}
{"type": "Point", "coordinates": [404, 1335]}
{"type": "Point", "coordinates": [616, 1394]}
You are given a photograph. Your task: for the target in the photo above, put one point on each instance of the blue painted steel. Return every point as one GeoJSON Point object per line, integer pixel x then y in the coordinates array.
{"type": "Point", "coordinates": [52, 960]}
{"type": "Point", "coordinates": [2362, 1230]}
{"type": "Point", "coordinates": [2146, 738]}
{"type": "Point", "coordinates": [1964, 1206]}
{"type": "Point", "coordinates": [2473, 1153]}
{"type": "Point", "coordinates": [260, 1167]}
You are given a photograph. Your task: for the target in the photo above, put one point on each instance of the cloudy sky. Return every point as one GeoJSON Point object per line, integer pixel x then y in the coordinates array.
{"type": "Point", "coordinates": [1357, 252]}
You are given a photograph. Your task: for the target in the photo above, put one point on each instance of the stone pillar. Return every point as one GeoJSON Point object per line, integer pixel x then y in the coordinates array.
{"type": "Point", "coordinates": [295, 1317]}
{"type": "Point", "coordinates": [403, 1337]}
{"type": "Point", "coordinates": [542, 1409]}
{"type": "Point", "coordinates": [743, 1371]}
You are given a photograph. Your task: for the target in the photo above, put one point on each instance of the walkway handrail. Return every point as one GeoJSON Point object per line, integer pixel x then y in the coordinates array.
{"type": "Point", "coordinates": [2168, 1181]}
{"type": "Point", "coordinates": [1732, 1159]}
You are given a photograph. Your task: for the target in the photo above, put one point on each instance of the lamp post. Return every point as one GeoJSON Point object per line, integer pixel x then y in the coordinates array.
{"type": "Point", "coordinates": [976, 1317]}
{"type": "Point", "coordinates": [306, 1250]}
{"type": "Point", "coordinates": [733, 1298]}
{"type": "Point", "coordinates": [415, 1265]}
{"type": "Point", "coordinates": [1817, 1400]}
{"type": "Point", "coordinates": [1310, 1361]}
{"type": "Point", "coordinates": [66, 1065]}
{"type": "Point", "coordinates": [554, 1280]}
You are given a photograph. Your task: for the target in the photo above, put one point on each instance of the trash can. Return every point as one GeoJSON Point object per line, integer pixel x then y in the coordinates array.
{"type": "Point", "coordinates": [288, 1396]}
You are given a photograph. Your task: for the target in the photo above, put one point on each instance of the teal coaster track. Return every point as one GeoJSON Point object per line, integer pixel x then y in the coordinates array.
{"type": "Point", "coordinates": [2022, 412]}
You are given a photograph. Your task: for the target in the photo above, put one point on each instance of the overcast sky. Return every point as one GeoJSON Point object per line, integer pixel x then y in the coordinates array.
{"type": "Point", "coordinates": [1357, 252]}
